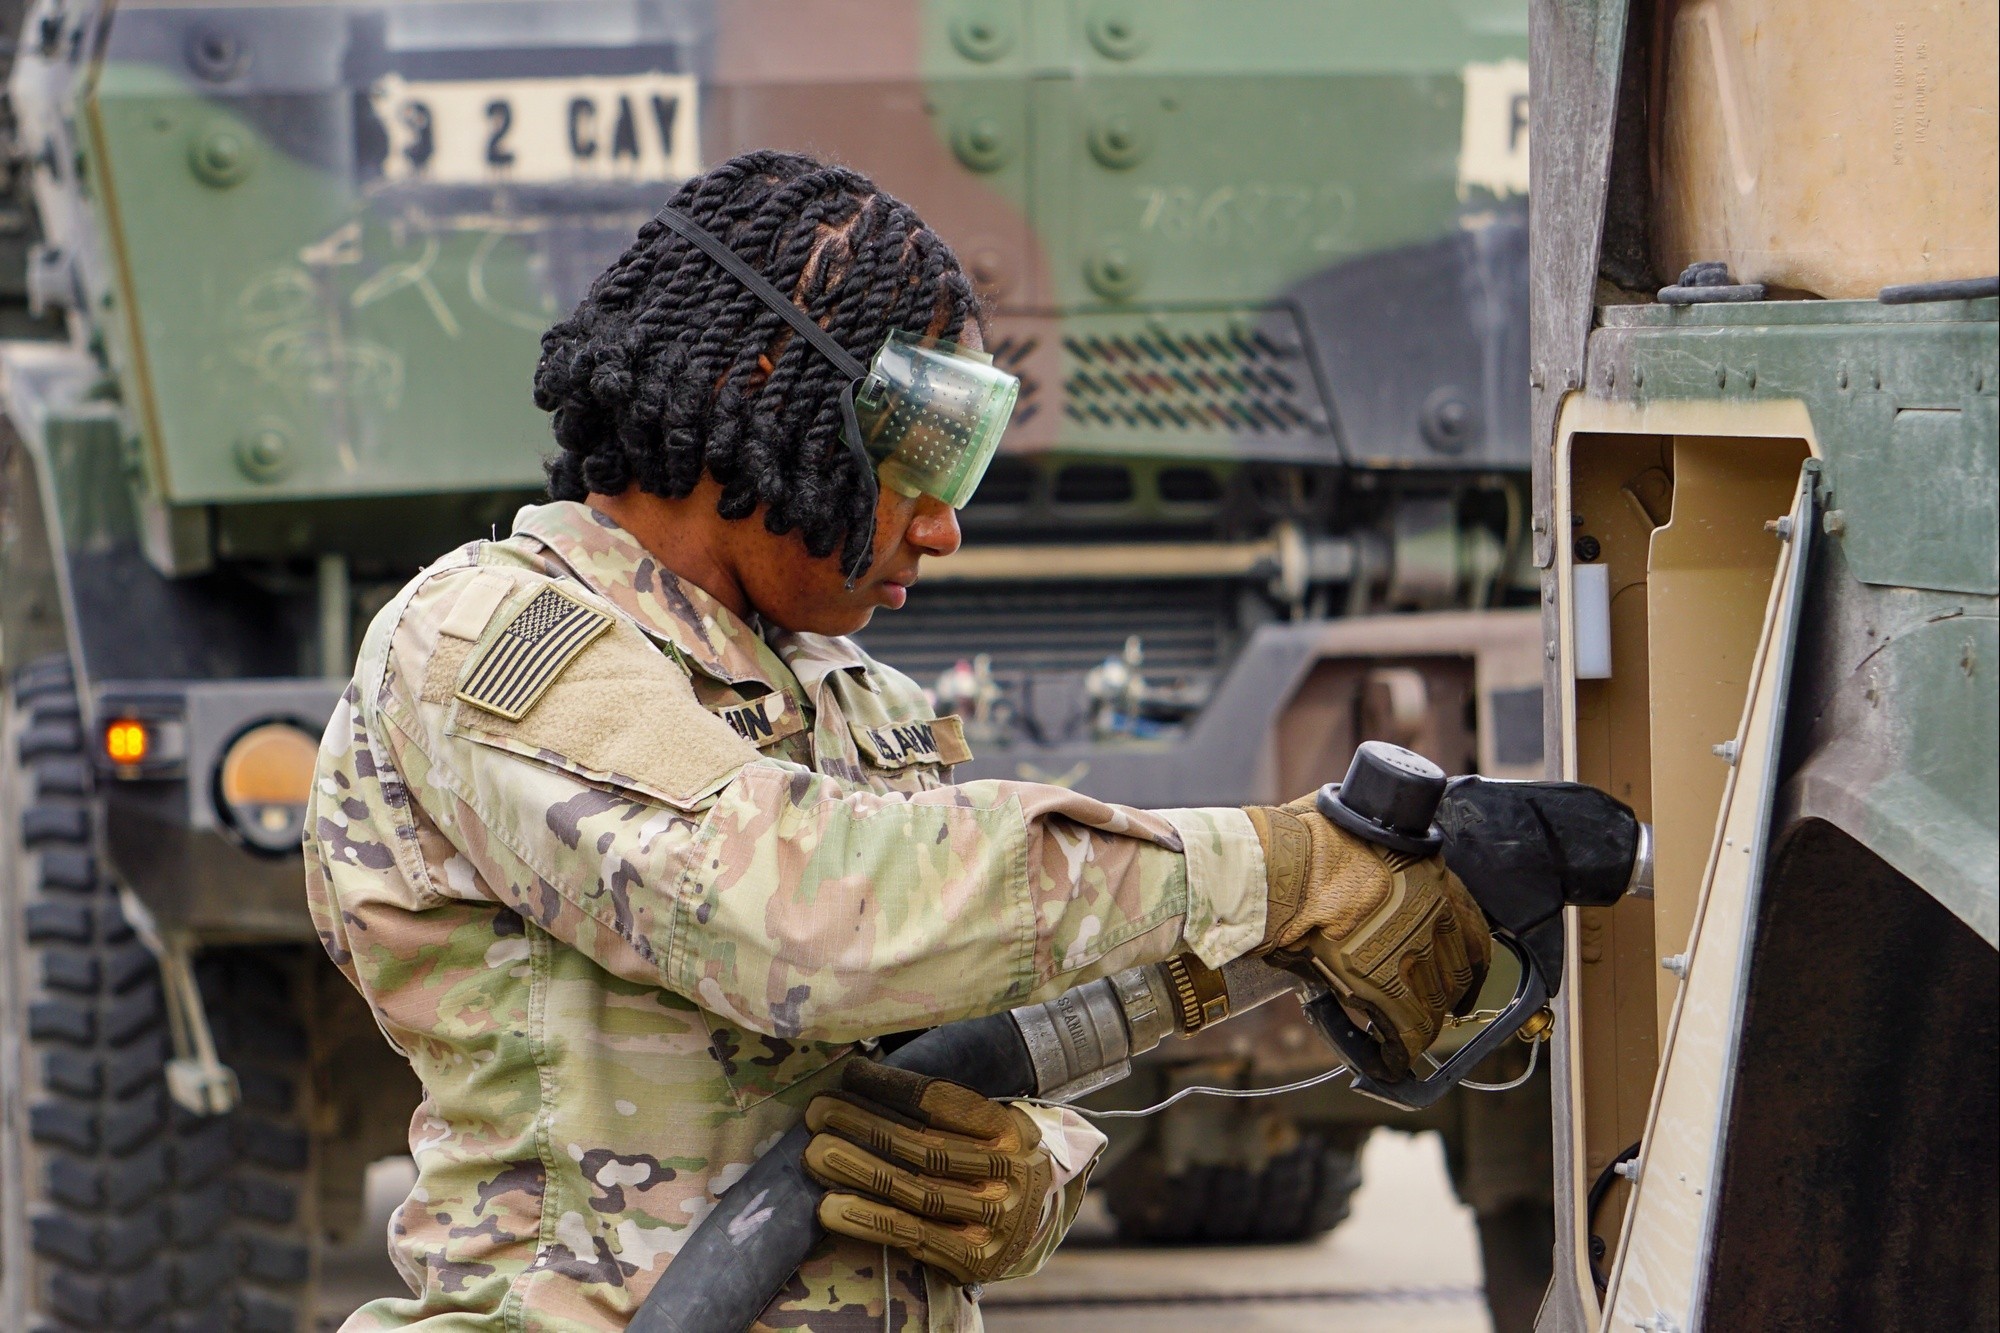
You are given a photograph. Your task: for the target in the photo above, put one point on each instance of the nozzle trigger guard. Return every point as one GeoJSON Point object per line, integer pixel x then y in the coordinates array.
{"type": "Point", "coordinates": [1413, 1093]}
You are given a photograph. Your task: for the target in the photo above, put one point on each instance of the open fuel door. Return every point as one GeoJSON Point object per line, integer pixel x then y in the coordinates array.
{"type": "Point", "coordinates": [1659, 1274]}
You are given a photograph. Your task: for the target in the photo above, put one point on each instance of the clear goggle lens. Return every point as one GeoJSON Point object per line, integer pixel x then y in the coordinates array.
{"type": "Point", "coordinates": [931, 416]}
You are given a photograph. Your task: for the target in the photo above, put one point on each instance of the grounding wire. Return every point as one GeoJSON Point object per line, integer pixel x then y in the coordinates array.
{"type": "Point", "coordinates": [1203, 1089]}
{"type": "Point", "coordinates": [1209, 1090]}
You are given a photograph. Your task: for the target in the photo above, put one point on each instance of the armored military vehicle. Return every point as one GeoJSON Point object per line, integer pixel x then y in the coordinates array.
{"type": "Point", "coordinates": [1263, 274]}
{"type": "Point", "coordinates": [1766, 462]}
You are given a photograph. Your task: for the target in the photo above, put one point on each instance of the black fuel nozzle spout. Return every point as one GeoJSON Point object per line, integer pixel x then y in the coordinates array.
{"type": "Point", "coordinates": [1526, 850]}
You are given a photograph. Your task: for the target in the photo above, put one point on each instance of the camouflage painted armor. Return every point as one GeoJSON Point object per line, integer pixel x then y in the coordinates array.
{"type": "Point", "coordinates": [626, 879]}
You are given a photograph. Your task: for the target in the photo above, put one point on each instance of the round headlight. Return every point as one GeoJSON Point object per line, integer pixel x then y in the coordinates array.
{"type": "Point", "coordinates": [265, 779]}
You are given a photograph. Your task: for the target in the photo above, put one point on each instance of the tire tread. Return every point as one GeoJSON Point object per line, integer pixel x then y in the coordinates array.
{"type": "Point", "coordinates": [1296, 1195]}
{"type": "Point", "coordinates": [139, 1216]}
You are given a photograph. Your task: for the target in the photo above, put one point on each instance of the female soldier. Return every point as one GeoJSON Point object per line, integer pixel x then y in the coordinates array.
{"type": "Point", "coordinates": [633, 856]}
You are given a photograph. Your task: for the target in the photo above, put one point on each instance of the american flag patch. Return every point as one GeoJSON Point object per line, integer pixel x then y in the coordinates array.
{"type": "Point", "coordinates": [543, 637]}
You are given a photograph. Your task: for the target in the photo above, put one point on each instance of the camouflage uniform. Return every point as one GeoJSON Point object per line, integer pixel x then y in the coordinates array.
{"type": "Point", "coordinates": [625, 934]}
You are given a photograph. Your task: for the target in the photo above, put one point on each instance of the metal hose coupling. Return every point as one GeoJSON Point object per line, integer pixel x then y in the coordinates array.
{"type": "Point", "coordinates": [1085, 1038]}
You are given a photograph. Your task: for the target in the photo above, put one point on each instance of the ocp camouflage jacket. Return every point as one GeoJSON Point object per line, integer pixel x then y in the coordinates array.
{"type": "Point", "coordinates": [626, 879]}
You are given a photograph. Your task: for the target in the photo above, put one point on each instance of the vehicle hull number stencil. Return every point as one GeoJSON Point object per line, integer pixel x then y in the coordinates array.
{"type": "Point", "coordinates": [1493, 152]}
{"type": "Point", "coordinates": [532, 131]}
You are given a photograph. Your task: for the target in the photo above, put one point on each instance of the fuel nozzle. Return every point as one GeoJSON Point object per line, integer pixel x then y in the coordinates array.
{"type": "Point", "coordinates": [1525, 850]}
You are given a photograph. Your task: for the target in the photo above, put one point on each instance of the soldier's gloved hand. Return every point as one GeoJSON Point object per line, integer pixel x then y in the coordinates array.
{"type": "Point", "coordinates": [981, 1189]}
{"type": "Point", "coordinates": [1397, 937]}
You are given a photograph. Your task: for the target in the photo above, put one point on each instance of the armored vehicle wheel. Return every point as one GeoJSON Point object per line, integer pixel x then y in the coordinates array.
{"type": "Point", "coordinates": [123, 1211]}
{"type": "Point", "coordinates": [1296, 1195]}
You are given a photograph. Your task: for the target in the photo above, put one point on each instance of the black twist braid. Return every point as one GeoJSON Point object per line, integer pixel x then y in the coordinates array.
{"type": "Point", "coordinates": [669, 368]}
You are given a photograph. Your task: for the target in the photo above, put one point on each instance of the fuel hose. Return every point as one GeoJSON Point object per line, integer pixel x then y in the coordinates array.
{"type": "Point", "coordinates": [768, 1222]}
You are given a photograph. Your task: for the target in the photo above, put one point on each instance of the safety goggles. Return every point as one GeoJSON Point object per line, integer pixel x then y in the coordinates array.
{"type": "Point", "coordinates": [927, 414]}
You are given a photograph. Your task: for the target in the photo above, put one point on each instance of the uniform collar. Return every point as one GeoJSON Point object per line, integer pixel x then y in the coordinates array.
{"type": "Point", "coordinates": [814, 657]}
{"type": "Point", "coordinates": [613, 563]}
{"type": "Point", "coordinates": [713, 638]}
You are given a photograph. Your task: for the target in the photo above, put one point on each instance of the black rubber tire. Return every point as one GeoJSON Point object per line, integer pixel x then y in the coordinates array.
{"type": "Point", "coordinates": [1296, 1196]}
{"type": "Point", "coordinates": [122, 1210]}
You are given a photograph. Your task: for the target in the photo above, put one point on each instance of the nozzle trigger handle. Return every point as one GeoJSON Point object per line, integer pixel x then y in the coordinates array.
{"type": "Point", "coordinates": [1412, 1093]}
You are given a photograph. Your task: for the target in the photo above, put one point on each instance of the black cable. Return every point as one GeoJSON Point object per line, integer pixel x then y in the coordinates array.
{"type": "Point", "coordinates": [1951, 289]}
{"type": "Point", "coordinates": [1598, 1189]}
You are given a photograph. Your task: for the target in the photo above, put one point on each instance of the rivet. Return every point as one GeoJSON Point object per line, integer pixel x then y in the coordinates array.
{"type": "Point", "coordinates": [982, 144]}
{"type": "Point", "coordinates": [1116, 33]}
{"type": "Point", "coordinates": [220, 154]}
{"type": "Point", "coordinates": [1112, 272]}
{"type": "Point", "coordinates": [1117, 140]}
{"type": "Point", "coordinates": [264, 453]}
{"type": "Point", "coordinates": [990, 270]}
{"type": "Point", "coordinates": [981, 35]}
{"type": "Point", "coordinates": [216, 54]}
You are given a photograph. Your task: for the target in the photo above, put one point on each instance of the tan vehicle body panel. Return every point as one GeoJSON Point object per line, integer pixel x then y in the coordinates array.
{"type": "Point", "coordinates": [1827, 145]}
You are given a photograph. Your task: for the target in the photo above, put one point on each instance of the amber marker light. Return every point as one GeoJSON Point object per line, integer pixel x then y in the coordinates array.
{"type": "Point", "coordinates": [126, 742]}
{"type": "Point", "coordinates": [265, 780]}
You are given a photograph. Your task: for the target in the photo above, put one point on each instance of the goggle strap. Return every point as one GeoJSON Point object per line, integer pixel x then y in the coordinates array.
{"type": "Point", "coordinates": [711, 245]}
{"type": "Point", "coordinates": [683, 225]}
{"type": "Point", "coordinates": [850, 430]}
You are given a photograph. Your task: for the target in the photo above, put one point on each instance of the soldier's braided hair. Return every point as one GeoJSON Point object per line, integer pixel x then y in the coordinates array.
{"type": "Point", "coordinates": [670, 367]}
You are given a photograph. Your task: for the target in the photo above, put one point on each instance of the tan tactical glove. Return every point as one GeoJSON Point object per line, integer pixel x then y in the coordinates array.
{"type": "Point", "coordinates": [968, 1185]}
{"type": "Point", "coordinates": [1397, 937]}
